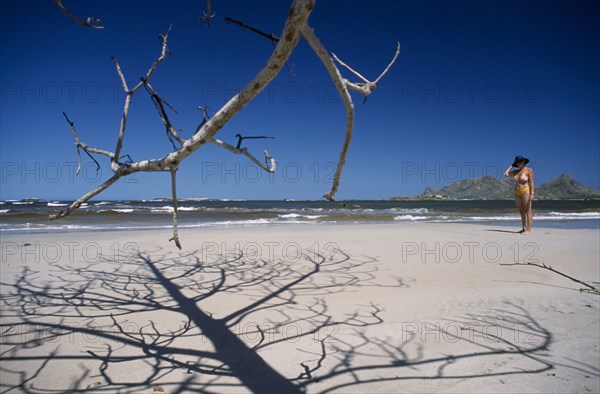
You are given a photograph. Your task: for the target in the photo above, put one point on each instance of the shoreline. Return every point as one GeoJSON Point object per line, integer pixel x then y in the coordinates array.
{"type": "Point", "coordinates": [542, 224]}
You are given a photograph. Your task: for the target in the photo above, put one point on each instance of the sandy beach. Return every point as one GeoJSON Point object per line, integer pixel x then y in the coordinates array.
{"type": "Point", "coordinates": [402, 307]}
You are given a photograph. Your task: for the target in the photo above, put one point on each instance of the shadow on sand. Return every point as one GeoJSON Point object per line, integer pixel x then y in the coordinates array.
{"type": "Point", "coordinates": [133, 322]}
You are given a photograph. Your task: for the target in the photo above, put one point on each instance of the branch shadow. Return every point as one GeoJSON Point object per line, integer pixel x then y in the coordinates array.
{"type": "Point", "coordinates": [503, 231]}
{"type": "Point", "coordinates": [130, 323]}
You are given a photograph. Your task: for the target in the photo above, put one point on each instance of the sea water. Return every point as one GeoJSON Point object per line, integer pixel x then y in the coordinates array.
{"type": "Point", "coordinates": [32, 215]}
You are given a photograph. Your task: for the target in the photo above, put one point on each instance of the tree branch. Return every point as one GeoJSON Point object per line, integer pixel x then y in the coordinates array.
{"type": "Point", "coordinates": [244, 151]}
{"type": "Point", "coordinates": [90, 21]}
{"type": "Point", "coordinates": [346, 99]}
{"type": "Point", "coordinates": [158, 103]}
{"type": "Point", "coordinates": [367, 87]}
{"type": "Point", "coordinates": [270, 36]}
{"type": "Point", "coordinates": [174, 194]}
{"type": "Point", "coordinates": [129, 93]}
{"type": "Point", "coordinates": [76, 204]}
{"type": "Point", "coordinates": [208, 15]}
{"type": "Point", "coordinates": [549, 268]}
{"type": "Point", "coordinates": [204, 117]}
{"type": "Point", "coordinates": [85, 148]}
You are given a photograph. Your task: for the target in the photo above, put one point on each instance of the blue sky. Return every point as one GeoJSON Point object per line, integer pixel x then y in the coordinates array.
{"type": "Point", "coordinates": [476, 83]}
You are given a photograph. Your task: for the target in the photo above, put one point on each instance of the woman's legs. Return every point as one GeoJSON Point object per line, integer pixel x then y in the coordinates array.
{"type": "Point", "coordinates": [523, 212]}
{"type": "Point", "coordinates": [526, 212]}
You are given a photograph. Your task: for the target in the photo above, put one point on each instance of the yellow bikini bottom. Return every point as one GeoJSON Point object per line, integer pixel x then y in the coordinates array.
{"type": "Point", "coordinates": [520, 192]}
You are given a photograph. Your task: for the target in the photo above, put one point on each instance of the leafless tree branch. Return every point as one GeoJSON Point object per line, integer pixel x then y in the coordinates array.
{"type": "Point", "coordinates": [347, 100]}
{"type": "Point", "coordinates": [549, 268]}
{"type": "Point", "coordinates": [270, 36]}
{"type": "Point", "coordinates": [204, 117]}
{"type": "Point", "coordinates": [158, 103]}
{"type": "Point", "coordinates": [244, 151]}
{"type": "Point", "coordinates": [208, 15]}
{"type": "Point", "coordinates": [89, 22]}
{"type": "Point", "coordinates": [174, 194]}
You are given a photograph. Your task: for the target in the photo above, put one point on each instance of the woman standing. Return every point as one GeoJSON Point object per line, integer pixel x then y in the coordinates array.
{"type": "Point", "coordinates": [524, 190]}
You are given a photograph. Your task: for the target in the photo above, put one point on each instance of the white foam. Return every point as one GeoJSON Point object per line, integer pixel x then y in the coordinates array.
{"type": "Point", "coordinates": [56, 204]}
{"type": "Point", "coordinates": [297, 215]}
{"type": "Point", "coordinates": [578, 215]}
{"type": "Point", "coordinates": [410, 218]}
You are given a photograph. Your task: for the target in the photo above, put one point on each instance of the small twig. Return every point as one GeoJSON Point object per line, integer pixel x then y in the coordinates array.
{"type": "Point", "coordinates": [367, 87]}
{"type": "Point", "coordinates": [270, 36]}
{"type": "Point", "coordinates": [349, 68]}
{"type": "Point", "coordinates": [252, 137]}
{"type": "Point", "coordinates": [158, 103]}
{"type": "Point", "coordinates": [161, 57]}
{"type": "Point", "coordinates": [244, 151]}
{"type": "Point", "coordinates": [89, 22]}
{"type": "Point", "coordinates": [592, 291]}
{"type": "Point", "coordinates": [208, 15]}
{"type": "Point", "coordinates": [90, 156]}
{"type": "Point", "coordinates": [270, 161]}
{"type": "Point", "coordinates": [85, 148]}
{"type": "Point", "coordinates": [120, 73]}
{"type": "Point", "coordinates": [205, 117]}
{"type": "Point", "coordinates": [549, 268]}
{"type": "Point", "coordinates": [389, 65]}
{"type": "Point", "coordinates": [129, 159]}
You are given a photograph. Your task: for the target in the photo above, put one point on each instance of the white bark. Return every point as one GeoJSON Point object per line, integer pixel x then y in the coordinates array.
{"type": "Point", "coordinates": [296, 26]}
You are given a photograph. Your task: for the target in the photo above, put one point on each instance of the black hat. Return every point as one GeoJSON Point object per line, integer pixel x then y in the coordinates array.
{"type": "Point", "coordinates": [518, 159]}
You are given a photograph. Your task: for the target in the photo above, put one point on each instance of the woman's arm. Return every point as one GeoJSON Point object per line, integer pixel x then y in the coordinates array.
{"type": "Point", "coordinates": [507, 172]}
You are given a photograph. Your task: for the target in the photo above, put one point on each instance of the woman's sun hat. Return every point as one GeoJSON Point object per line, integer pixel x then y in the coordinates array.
{"type": "Point", "coordinates": [518, 159]}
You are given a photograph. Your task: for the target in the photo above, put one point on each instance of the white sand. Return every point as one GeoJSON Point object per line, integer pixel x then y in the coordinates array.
{"type": "Point", "coordinates": [412, 307]}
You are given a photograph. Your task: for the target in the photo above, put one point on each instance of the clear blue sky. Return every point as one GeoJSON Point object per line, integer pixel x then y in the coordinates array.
{"type": "Point", "coordinates": [476, 83]}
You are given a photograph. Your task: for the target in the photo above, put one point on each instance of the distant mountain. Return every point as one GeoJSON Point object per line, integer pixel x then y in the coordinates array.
{"type": "Point", "coordinates": [565, 187]}
{"type": "Point", "coordinates": [485, 188]}
{"type": "Point", "coordinates": [489, 188]}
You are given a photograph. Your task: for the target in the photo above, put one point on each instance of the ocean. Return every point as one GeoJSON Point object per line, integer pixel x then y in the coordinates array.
{"type": "Point", "coordinates": [31, 216]}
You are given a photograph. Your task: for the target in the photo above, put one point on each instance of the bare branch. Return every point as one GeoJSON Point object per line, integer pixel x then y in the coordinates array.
{"type": "Point", "coordinates": [122, 130]}
{"type": "Point", "coordinates": [158, 103]}
{"type": "Point", "coordinates": [120, 73]}
{"type": "Point", "coordinates": [204, 117]}
{"type": "Point", "coordinates": [244, 151]}
{"type": "Point", "coordinates": [174, 194]}
{"type": "Point", "coordinates": [349, 68]}
{"type": "Point", "coordinates": [129, 93]}
{"type": "Point", "coordinates": [367, 87]}
{"type": "Point", "coordinates": [270, 36]}
{"type": "Point", "coordinates": [76, 204]}
{"type": "Point", "coordinates": [549, 268]}
{"type": "Point", "coordinates": [270, 161]}
{"type": "Point", "coordinates": [85, 148]}
{"type": "Point", "coordinates": [208, 15]}
{"type": "Point", "coordinates": [389, 65]}
{"type": "Point", "coordinates": [344, 94]}
{"type": "Point", "coordinates": [89, 22]}
{"type": "Point", "coordinates": [161, 57]}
